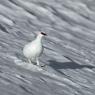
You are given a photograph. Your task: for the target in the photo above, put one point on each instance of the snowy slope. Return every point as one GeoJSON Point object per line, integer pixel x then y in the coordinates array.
{"type": "Point", "coordinates": [69, 47]}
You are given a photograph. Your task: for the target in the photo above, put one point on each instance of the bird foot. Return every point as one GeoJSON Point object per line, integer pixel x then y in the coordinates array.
{"type": "Point", "coordinates": [43, 65]}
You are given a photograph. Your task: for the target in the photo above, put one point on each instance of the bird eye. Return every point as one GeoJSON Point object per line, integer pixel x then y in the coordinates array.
{"type": "Point", "coordinates": [43, 33]}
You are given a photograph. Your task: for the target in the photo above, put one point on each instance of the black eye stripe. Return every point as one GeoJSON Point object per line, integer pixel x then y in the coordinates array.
{"type": "Point", "coordinates": [43, 33]}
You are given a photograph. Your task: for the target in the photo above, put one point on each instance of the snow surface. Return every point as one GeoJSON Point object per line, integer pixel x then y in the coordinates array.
{"type": "Point", "coordinates": [69, 47]}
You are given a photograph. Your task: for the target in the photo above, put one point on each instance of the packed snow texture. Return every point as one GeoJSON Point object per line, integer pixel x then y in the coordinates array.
{"type": "Point", "coordinates": [69, 52]}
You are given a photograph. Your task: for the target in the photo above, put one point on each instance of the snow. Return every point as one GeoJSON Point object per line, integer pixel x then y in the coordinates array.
{"type": "Point", "coordinates": [69, 47]}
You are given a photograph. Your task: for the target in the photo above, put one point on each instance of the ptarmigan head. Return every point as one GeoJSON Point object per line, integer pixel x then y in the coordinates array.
{"type": "Point", "coordinates": [41, 34]}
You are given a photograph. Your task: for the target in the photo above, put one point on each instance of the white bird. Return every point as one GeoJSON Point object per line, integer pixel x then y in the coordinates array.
{"type": "Point", "coordinates": [33, 50]}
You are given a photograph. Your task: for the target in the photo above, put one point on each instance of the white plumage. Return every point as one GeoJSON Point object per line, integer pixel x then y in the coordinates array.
{"type": "Point", "coordinates": [34, 49]}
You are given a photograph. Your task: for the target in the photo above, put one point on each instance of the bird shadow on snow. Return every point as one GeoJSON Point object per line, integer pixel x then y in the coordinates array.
{"type": "Point", "coordinates": [58, 66]}
{"type": "Point", "coordinates": [67, 65]}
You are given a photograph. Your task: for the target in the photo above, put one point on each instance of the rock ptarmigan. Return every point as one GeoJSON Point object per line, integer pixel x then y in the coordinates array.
{"type": "Point", "coordinates": [33, 50]}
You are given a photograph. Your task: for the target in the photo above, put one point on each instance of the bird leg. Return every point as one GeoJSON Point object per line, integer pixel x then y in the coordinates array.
{"type": "Point", "coordinates": [37, 60]}
{"type": "Point", "coordinates": [29, 61]}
